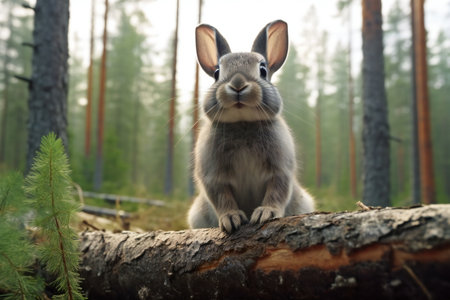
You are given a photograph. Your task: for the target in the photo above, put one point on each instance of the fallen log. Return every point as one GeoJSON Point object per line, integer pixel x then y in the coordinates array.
{"type": "Point", "coordinates": [103, 211]}
{"type": "Point", "coordinates": [391, 253]}
{"type": "Point", "coordinates": [118, 198]}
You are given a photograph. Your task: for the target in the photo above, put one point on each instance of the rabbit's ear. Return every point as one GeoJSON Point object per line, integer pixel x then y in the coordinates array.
{"type": "Point", "coordinates": [272, 42]}
{"type": "Point", "coordinates": [211, 46]}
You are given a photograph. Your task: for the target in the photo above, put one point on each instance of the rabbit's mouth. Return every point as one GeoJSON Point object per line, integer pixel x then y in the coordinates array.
{"type": "Point", "coordinates": [248, 94]}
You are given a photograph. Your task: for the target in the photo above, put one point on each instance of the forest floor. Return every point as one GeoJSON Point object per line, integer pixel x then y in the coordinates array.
{"type": "Point", "coordinates": [172, 216]}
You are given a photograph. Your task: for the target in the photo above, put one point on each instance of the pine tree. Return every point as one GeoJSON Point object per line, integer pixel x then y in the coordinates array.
{"type": "Point", "coordinates": [50, 190]}
{"type": "Point", "coordinates": [17, 61]}
{"type": "Point", "coordinates": [336, 120]}
{"type": "Point", "coordinates": [17, 253]}
{"type": "Point", "coordinates": [439, 83]}
{"type": "Point", "coordinates": [376, 128]}
{"type": "Point", "coordinates": [427, 186]}
{"type": "Point", "coordinates": [292, 84]}
{"type": "Point", "coordinates": [397, 66]}
{"type": "Point", "coordinates": [49, 77]}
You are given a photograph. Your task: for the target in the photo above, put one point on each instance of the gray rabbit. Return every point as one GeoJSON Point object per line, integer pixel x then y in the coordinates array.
{"type": "Point", "coordinates": [245, 161]}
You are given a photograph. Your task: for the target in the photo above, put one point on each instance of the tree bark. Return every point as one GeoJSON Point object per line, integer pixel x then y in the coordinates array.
{"type": "Point", "coordinates": [351, 146]}
{"type": "Point", "coordinates": [48, 89]}
{"type": "Point", "coordinates": [392, 253]}
{"type": "Point", "coordinates": [375, 116]}
{"type": "Point", "coordinates": [168, 184]}
{"type": "Point", "coordinates": [196, 111]}
{"type": "Point", "coordinates": [98, 173]}
{"type": "Point", "coordinates": [423, 110]}
{"type": "Point", "coordinates": [88, 118]}
{"type": "Point", "coordinates": [415, 169]}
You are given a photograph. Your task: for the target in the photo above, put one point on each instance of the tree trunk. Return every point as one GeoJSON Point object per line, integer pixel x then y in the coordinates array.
{"type": "Point", "coordinates": [375, 122]}
{"type": "Point", "coordinates": [423, 111]}
{"type": "Point", "coordinates": [351, 146]}
{"type": "Point", "coordinates": [87, 131]}
{"type": "Point", "coordinates": [374, 254]}
{"type": "Point", "coordinates": [318, 140]}
{"type": "Point", "coordinates": [414, 127]}
{"type": "Point", "coordinates": [48, 89]}
{"type": "Point", "coordinates": [195, 126]}
{"type": "Point", "coordinates": [168, 185]}
{"type": "Point", "coordinates": [98, 174]}
{"type": "Point", "coordinates": [195, 113]}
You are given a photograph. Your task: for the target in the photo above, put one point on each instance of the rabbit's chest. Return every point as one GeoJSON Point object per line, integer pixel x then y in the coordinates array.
{"type": "Point", "coordinates": [248, 172]}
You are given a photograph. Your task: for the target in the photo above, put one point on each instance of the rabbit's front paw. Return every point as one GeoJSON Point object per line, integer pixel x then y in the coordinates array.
{"type": "Point", "coordinates": [264, 213]}
{"type": "Point", "coordinates": [232, 220]}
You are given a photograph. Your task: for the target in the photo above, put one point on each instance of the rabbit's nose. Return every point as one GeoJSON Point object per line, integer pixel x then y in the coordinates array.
{"type": "Point", "coordinates": [238, 83]}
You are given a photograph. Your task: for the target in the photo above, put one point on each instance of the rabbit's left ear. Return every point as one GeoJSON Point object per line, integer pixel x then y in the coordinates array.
{"type": "Point", "coordinates": [273, 43]}
{"type": "Point", "coordinates": [211, 46]}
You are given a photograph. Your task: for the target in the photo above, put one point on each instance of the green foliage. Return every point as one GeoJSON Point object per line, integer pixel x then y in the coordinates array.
{"type": "Point", "coordinates": [17, 253]}
{"type": "Point", "coordinates": [49, 188]}
{"type": "Point", "coordinates": [115, 168]}
{"type": "Point", "coordinates": [399, 95]}
{"type": "Point", "coordinates": [17, 60]}
{"type": "Point", "coordinates": [439, 83]}
{"type": "Point", "coordinates": [292, 84]}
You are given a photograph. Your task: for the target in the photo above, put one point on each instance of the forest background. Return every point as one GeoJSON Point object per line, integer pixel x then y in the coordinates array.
{"type": "Point", "coordinates": [314, 83]}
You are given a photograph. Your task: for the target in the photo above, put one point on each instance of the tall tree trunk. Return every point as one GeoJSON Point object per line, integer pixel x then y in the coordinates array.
{"type": "Point", "coordinates": [6, 78]}
{"type": "Point", "coordinates": [168, 188]}
{"type": "Point", "coordinates": [87, 133]}
{"type": "Point", "coordinates": [375, 123]}
{"type": "Point", "coordinates": [423, 111]}
{"type": "Point", "coordinates": [415, 133]}
{"type": "Point", "coordinates": [352, 151]}
{"type": "Point", "coordinates": [48, 91]}
{"type": "Point", "coordinates": [318, 141]}
{"type": "Point", "coordinates": [135, 140]}
{"type": "Point", "coordinates": [98, 176]}
{"type": "Point", "coordinates": [321, 56]}
{"type": "Point", "coordinates": [195, 115]}
{"type": "Point", "coordinates": [195, 120]}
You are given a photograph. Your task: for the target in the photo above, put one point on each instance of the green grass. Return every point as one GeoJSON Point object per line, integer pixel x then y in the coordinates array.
{"type": "Point", "coordinates": [172, 216]}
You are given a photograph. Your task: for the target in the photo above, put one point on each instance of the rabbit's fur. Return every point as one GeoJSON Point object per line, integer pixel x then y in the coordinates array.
{"type": "Point", "coordinates": [245, 161]}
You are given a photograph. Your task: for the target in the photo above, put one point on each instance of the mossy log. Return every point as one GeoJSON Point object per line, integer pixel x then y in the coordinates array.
{"type": "Point", "coordinates": [391, 253]}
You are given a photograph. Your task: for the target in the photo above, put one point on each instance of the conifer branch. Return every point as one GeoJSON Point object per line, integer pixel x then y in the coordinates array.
{"type": "Point", "coordinates": [58, 228]}
{"type": "Point", "coordinates": [14, 267]}
{"type": "Point", "coordinates": [49, 187]}
{"type": "Point", "coordinates": [17, 253]}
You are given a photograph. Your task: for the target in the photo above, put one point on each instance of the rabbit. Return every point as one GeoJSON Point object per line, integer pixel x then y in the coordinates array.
{"type": "Point", "coordinates": [244, 158]}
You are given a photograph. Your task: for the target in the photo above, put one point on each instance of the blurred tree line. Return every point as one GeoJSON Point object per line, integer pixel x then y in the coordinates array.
{"type": "Point", "coordinates": [326, 100]}
{"type": "Point", "coordinates": [137, 97]}
{"type": "Point", "coordinates": [313, 82]}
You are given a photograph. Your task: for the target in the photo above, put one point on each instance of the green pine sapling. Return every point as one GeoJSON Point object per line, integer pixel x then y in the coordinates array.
{"type": "Point", "coordinates": [17, 253]}
{"type": "Point", "coordinates": [49, 188]}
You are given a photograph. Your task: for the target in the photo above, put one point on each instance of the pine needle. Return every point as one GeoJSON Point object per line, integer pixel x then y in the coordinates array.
{"type": "Point", "coordinates": [49, 188]}
{"type": "Point", "coordinates": [17, 253]}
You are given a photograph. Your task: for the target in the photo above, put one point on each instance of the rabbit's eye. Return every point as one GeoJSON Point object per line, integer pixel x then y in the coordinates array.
{"type": "Point", "coordinates": [263, 70]}
{"type": "Point", "coordinates": [216, 74]}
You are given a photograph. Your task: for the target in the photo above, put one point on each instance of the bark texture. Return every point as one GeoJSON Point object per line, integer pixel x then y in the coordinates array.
{"type": "Point", "coordinates": [375, 116]}
{"type": "Point", "coordinates": [427, 185]}
{"type": "Point", "coordinates": [48, 89]}
{"type": "Point", "coordinates": [390, 253]}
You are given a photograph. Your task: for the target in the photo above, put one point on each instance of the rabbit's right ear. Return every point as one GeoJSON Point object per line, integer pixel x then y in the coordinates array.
{"type": "Point", "coordinates": [211, 46]}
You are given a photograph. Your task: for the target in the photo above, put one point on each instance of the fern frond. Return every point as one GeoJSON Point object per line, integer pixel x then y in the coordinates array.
{"type": "Point", "coordinates": [49, 187]}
